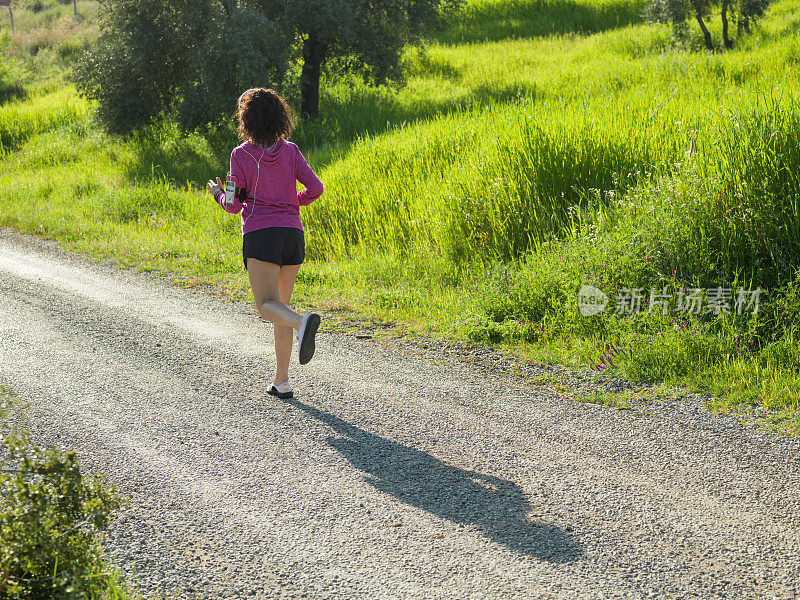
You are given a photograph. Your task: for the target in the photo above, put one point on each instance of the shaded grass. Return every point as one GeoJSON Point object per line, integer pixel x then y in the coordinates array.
{"type": "Point", "coordinates": [494, 20]}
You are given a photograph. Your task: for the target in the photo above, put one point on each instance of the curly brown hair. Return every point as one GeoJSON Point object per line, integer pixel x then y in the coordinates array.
{"type": "Point", "coordinates": [263, 117]}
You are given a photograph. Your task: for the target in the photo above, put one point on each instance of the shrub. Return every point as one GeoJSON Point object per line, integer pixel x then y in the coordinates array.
{"type": "Point", "coordinates": [50, 515]}
{"type": "Point", "coordinates": [185, 57]}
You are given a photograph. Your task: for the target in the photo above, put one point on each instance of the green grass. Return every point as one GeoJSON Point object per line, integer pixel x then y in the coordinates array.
{"type": "Point", "coordinates": [536, 146]}
{"type": "Point", "coordinates": [498, 20]}
{"type": "Point", "coordinates": [49, 36]}
{"type": "Point", "coordinates": [20, 120]}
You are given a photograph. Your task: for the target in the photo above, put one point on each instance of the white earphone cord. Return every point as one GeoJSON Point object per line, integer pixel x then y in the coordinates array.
{"type": "Point", "coordinates": [255, 188]}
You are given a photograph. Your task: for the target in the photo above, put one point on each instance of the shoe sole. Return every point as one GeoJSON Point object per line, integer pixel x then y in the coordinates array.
{"type": "Point", "coordinates": [308, 345]}
{"type": "Point", "coordinates": [281, 395]}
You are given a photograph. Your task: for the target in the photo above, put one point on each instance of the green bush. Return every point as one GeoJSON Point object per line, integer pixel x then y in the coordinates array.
{"type": "Point", "coordinates": [184, 58]}
{"type": "Point", "coordinates": [50, 516]}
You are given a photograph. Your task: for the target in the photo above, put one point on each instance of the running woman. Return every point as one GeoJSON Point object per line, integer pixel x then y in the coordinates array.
{"type": "Point", "coordinates": [262, 188]}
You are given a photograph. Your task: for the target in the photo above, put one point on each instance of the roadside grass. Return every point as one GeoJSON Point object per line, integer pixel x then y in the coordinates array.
{"type": "Point", "coordinates": [473, 203]}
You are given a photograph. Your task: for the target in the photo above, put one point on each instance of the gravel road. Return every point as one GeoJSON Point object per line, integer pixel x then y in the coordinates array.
{"type": "Point", "coordinates": [392, 474]}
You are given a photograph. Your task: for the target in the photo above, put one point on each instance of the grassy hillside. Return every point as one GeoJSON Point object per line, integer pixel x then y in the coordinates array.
{"type": "Point", "coordinates": [538, 145]}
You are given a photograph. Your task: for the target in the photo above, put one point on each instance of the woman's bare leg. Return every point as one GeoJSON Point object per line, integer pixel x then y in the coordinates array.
{"type": "Point", "coordinates": [284, 335]}
{"type": "Point", "coordinates": [272, 287]}
{"type": "Point", "coordinates": [265, 283]}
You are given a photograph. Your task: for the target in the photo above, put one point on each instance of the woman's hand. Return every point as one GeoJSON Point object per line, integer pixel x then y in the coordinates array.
{"type": "Point", "coordinates": [214, 188]}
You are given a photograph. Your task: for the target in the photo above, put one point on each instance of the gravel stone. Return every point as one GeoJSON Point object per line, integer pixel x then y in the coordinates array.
{"type": "Point", "coordinates": [397, 472]}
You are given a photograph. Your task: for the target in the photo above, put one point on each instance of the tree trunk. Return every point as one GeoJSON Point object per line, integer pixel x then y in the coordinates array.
{"type": "Point", "coordinates": [724, 14]}
{"type": "Point", "coordinates": [706, 32]}
{"type": "Point", "coordinates": [313, 56]}
{"type": "Point", "coordinates": [75, 6]}
{"type": "Point", "coordinates": [744, 24]}
{"type": "Point", "coordinates": [10, 12]}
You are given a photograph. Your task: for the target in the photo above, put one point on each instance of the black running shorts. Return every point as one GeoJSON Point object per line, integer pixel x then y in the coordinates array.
{"type": "Point", "coordinates": [277, 245]}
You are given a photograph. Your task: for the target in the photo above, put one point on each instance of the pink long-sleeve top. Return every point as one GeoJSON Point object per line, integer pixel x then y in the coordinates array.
{"type": "Point", "coordinates": [269, 177]}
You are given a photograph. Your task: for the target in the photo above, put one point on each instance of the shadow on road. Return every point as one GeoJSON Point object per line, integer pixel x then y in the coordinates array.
{"type": "Point", "coordinates": [496, 506]}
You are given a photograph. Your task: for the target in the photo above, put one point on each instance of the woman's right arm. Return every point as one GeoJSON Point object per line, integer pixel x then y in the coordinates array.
{"type": "Point", "coordinates": [218, 189]}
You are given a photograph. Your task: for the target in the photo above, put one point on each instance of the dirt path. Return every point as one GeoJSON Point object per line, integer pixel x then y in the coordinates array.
{"type": "Point", "coordinates": [391, 475]}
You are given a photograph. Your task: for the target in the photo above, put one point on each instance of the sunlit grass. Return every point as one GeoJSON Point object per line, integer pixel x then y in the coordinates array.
{"type": "Point", "coordinates": [20, 120]}
{"type": "Point", "coordinates": [491, 20]}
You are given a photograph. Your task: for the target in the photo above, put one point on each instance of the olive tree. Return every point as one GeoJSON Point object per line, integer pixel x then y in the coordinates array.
{"type": "Point", "coordinates": [192, 58]}
{"type": "Point", "coordinates": [359, 36]}
{"type": "Point", "coordinates": [678, 12]}
{"type": "Point", "coordinates": [187, 57]}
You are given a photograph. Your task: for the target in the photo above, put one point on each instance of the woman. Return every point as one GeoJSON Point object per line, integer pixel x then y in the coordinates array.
{"type": "Point", "coordinates": [262, 187]}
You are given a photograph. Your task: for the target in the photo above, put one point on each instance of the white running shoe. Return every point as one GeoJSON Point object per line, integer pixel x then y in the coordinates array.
{"type": "Point", "coordinates": [283, 390]}
{"type": "Point", "coordinates": [305, 337]}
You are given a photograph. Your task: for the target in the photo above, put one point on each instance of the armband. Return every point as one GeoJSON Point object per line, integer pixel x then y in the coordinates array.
{"type": "Point", "coordinates": [234, 191]}
{"type": "Point", "coordinates": [231, 187]}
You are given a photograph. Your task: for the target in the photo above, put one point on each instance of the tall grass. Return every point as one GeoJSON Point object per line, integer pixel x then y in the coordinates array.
{"type": "Point", "coordinates": [10, 84]}
{"type": "Point", "coordinates": [486, 182]}
{"type": "Point", "coordinates": [49, 37]}
{"type": "Point", "coordinates": [20, 120]}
